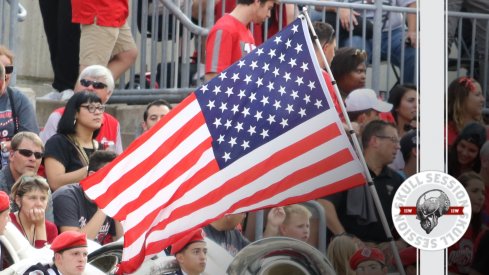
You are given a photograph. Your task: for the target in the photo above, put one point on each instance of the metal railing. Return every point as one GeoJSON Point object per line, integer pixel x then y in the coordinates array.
{"type": "Point", "coordinates": [11, 12]}
{"type": "Point", "coordinates": [168, 43]}
{"type": "Point", "coordinates": [318, 212]}
{"type": "Point", "coordinates": [467, 54]}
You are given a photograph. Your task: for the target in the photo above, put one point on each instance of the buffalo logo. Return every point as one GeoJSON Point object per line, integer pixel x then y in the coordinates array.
{"type": "Point", "coordinates": [430, 206]}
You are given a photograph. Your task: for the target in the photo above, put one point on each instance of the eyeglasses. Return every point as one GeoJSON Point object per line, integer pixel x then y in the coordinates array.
{"type": "Point", "coordinates": [28, 153]}
{"type": "Point", "coordinates": [95, 84]}
{"type": "Point", "coordinates": [393, 139]}
{"type": "Point", "coordinates": [27, 178]}
{"type": "Point", "coordinates": [92, 108]}
{"type": "Point", "coordinates": [9, 69]}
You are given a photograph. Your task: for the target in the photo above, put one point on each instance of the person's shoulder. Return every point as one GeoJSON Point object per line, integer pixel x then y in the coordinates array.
{"type": "Point", "coordinates": [40, 268]}
{"type": "Point", "coordinates": [17, 94]}
{"type": "Point", "coordinates": [68, 190]}
{"type": "Point", "coordinates": [110, 118]}
{"type": "Point", "coordinates": [226, 23]}
{"type": "Point", "coordinates": [391, 173]}
{"type": "Point", "coordinates": [56, 139]}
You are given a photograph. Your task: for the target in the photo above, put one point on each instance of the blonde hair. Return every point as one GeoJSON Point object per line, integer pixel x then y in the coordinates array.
{"type": "Point", "coordinates": [296, 209]}
{"type": "Point", "coordinates": [8, 53]}
{"type": "Point", "coordinates": [340, 250]}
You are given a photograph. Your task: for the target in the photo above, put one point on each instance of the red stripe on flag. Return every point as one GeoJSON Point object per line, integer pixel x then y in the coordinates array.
{"type": "Point", "coordinates": [149, 192]}
{"type": "Point", "coordinates": [150, 162]}
{"type": "Point", "coordinates": [338, 186]}
{"type": "Point", "coordinates": [284, 155]}
{"type": "Point", "coordinates": [290, 181]}
{"type": "Point", "coordinates": [99, 176]}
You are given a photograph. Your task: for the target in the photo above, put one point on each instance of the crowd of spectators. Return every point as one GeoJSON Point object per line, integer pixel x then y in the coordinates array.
{"type": "Point", "coordinates": [79, 138]}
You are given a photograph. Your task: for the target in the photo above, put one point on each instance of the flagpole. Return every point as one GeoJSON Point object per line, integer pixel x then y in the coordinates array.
{"type": "Point", "coordinates": [357, 147]}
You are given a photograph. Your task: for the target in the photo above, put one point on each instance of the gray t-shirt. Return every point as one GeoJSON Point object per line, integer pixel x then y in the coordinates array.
{"type": "Point", "coordinates": [24, 111]}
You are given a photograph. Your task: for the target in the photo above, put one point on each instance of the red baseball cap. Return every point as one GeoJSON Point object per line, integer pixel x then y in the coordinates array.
{"type": "Point", "coordinates": [366, 254]}
{"type": "Point", "coordinates": [4, 201]}
{"type": "Point", "coordinates": [68, 240]}
{"type": "Point", "coordinates": [194, 236]}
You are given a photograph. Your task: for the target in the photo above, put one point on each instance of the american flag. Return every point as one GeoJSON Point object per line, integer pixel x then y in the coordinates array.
{"type": "Point", "coordinates": [260, 134]}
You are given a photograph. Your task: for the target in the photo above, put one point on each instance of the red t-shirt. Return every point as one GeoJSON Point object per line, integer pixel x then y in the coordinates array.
{"type": "Point", "coordinates": [109, 13]}
{"type": "Point", "coordinates": [461, 254]}
{"type": "Point", "coordinates": [228, 41]}
{"type": "Point", "coordinates": [273, 23]}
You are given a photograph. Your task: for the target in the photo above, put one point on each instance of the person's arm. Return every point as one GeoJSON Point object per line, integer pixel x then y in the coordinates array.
{"type": "Point", "coordinates": [275, 218]}
{"type": "Point", "coordinates": [292, 12]}
{"type": "Point", "coordinates": [209, 76]}
{"type": "Point", "coordinates": [57, 176]}
{"type": "Point", "coordinates": [91, 228]}
{"type": "Point", "coordinates": [333, 222]}
{"type": "Point", "coordinates": [119, 231]}
{"type": "Point", "coordinates": [412, 27]}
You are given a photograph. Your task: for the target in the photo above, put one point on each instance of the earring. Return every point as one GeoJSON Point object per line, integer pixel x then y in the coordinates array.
{"type": "Point", "coordinates": [74, 122]}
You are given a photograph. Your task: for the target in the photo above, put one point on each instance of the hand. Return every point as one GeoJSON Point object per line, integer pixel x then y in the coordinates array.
{"type": "Point", "coordinates": [355, 127]}
{"type": "Point", "coordinates": [37, 215]}
{"type": "Point", "coordinates": [276, 216]}
{"type": "Point", "coordinates": [411, 39]}
{"type": "Point", "coordinates": [344, 15]}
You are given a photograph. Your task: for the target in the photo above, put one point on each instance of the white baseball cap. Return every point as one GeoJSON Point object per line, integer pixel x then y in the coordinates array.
{"type": "Point", "coordinates": [364, 99]}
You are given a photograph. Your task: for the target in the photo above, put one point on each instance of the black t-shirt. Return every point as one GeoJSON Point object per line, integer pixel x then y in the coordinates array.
{"type": "Point", "coordinates": [61, 149]}
{"type": "Point", "coordinates": [72, 208]}
{"type": "Point", "coordinates": [386, 183]}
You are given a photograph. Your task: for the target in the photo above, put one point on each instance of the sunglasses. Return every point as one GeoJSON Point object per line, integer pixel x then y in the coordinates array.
{"type": "Point", "coordinates": [9, 69]}
{"type": "Point", "coordinates": [95, 84]}
{"type": "Point", "coordinates": [92, 108]}
{"type": "Point", "coordinates": [28, 153]}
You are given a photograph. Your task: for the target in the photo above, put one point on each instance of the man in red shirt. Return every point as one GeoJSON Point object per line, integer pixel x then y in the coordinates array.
{"type": "Point", "coordinates": [106, 37]}
{"type": "Point", "coordinates": [230, 39]}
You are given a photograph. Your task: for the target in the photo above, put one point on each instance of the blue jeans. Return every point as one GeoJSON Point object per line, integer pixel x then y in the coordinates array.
{"type": "Point", "coordinates": [408, 75]}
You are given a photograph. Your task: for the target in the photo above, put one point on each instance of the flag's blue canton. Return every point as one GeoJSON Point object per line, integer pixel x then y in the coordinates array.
{"type": "Point", "coordinates": [265, 94]}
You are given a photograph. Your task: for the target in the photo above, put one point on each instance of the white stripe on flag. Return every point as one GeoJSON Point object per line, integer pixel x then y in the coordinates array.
{"type": "Point", "coordinates": [246, 162]}
{"type": "Point", "coordinates": [144, 151]}
{"type": "Point", "coordinates": [166, 193]}
{"type": "Point", "coordinates": [236, 168]}
{"type": "Point", "coordinates": [183, 149]}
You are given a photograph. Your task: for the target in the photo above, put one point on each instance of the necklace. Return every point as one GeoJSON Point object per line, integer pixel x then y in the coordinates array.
{"type": "Point", "coordinates": [23, 230]}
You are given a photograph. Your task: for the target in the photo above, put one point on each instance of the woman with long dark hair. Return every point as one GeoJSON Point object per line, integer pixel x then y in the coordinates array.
{"type": "Point", "coordinates": [67, 152]}
{"type": "Point", "coordinates": [404, 102]}
{"type": "Point", "coordinates": [464, 154]}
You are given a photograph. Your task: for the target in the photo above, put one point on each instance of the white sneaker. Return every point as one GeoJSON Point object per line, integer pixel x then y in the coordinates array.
{"type": "Point", "coordinates": [66, 94]}
{"type": "Point", "coordinates": [53, 95]}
